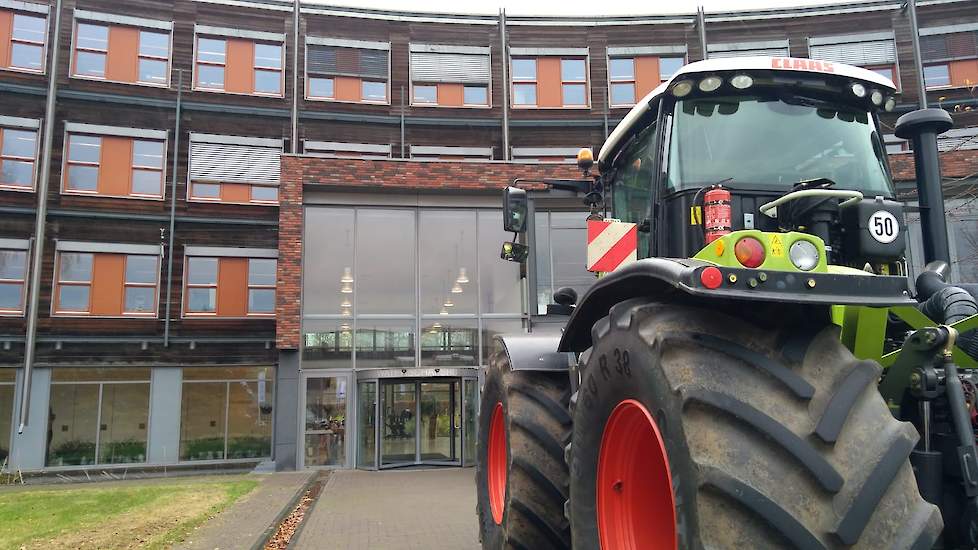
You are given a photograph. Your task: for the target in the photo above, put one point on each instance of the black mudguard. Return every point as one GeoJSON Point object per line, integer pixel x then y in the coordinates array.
{"type": "Point", "coordinates": [535, 352]}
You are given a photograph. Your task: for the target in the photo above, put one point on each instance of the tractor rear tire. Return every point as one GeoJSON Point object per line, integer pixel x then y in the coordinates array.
{"type": "Point", "coordinates": [772, 435]}
{"type": "Point", "coordinates": [524, 425]}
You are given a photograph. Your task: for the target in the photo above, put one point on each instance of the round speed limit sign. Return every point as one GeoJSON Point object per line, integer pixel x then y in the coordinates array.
{"type": "Point", "coordinates": [883, 226]}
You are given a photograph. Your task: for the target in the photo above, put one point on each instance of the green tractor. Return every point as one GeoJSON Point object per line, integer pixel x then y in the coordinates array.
{"type": "Point", "coordinates": [763, 374]}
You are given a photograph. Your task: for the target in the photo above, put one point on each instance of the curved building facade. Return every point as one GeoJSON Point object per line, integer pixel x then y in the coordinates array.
{"type": "Point", "coordinates": [272, 236]}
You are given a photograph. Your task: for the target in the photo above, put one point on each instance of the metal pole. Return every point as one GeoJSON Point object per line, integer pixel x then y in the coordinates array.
{"type": "Point", "coordinates": [295, 78]}
{"type": "Point", "coordinates": [403, 149]}
{"type": "Point", "coordinates": [173, 209]}
{"type": "Point", "coordinates": [701, 23]}
{"type": "Point", "coordinates": [911, 7]}
{"type": "Point", "coordinates": [504, 51]}
{"type": "Point", "coordinates": [40, 224]}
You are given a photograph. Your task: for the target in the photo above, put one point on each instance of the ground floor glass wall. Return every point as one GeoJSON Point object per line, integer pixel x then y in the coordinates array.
{"type": "Point", "coordinates": [8, 378]}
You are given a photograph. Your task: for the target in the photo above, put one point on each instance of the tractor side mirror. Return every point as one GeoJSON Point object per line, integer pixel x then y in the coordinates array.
{"type": "Point", "coordinates": [514, 210]}
{"type": "Point", "coordinates": [514, 252]}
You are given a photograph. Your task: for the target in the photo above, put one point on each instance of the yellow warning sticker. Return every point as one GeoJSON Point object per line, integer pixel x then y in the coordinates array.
{"type": "Point", "coordinates": [695, 215]}
{"type": "Point", "coordinates": [777, 246]}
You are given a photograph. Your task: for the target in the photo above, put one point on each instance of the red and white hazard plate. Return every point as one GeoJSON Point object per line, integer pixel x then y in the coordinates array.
{"type": "Point", "coordinates": [610, 244]}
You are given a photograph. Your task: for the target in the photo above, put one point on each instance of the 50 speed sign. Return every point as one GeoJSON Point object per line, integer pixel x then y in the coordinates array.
{"type": "Point", "coordinates": [883, 226]}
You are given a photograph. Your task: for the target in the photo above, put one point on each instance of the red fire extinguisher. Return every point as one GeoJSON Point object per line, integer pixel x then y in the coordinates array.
{"type": "Point", "coordinates": [716, 213]}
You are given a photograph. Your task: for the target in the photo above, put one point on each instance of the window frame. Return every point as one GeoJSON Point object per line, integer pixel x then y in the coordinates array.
{"type": "Point", "coordinates": [307, 78]}
{"type": "Point", "coordinates": [255, 68]}
{"type": "Point", "coordinates": [197, 87]}
{"type": "Point", "coordinates": [586, 58]}
{"type": "Point", "coordinates": [56, 310]}
{"type": "Point", "coordinates": [586, 83]}
{"type": "Point", "coordinates": [140, 56]}
{"type": "Point", "coordinates": [154, 285]}
{"type": "Point", "coordinates": [66, 163]}
{"type": "Point", "coordinates": [187, 313]}
{"type": "Point", "coordinates": [19, 188]}
{"type": "Point", "coordinates": [947, 66]}
{"type": "Point", "coordinates": [308, 86]}
{"type": "Point", "coordinates": [75, 48]}
{"type": "Point", "coordinates": [612, 81]}
{"type": "Point", "coordinates": [23, 283]}
{"type": "Point", "coordinates": [44, 43]}
{"type": "Point", "coordinates": [513, 82]}
{"type": "Point", "coordinates": [416, 103]}
{"type": "Point", "coordinates": [187, 285]}
{"type": "Point", "coordinates": [894, 68]}
{"type": "Point", "coordinates": [273, 287]}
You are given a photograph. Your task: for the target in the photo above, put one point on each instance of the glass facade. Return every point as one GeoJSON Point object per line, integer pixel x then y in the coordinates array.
{"type": "Point", "coordinates": [325, 421]}
{"type": "Point", "coordinates": [7, 388]}
{"type": "Point", "coordinates": [560, 251]}
{"type": "Point", "coordinates": [226, 413]}
{"type": "Point", "coordinates": [98, 416]}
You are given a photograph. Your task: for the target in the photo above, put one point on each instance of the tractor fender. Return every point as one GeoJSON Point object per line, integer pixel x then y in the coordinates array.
{"type": "Point", "coordinates": [535, 352]}
{"type": "Point", "coordinates": [679, 281]}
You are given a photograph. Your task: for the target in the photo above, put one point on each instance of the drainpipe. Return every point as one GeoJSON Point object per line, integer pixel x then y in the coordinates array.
{"type": "Point", "coordinates": [403, 148]}
{"type": "Point", "coordinates": [173, 210]}
{"type": "Point", "coordinates": [295, 77]}
{"type": "Point", "coordinates": [910, 6]}
{"type": "Point", "coordinates": [40, 224]}
{"type": "Point", "coordinates": [701, 23]}
{"type": "Point", "coordinates": [504, 49]}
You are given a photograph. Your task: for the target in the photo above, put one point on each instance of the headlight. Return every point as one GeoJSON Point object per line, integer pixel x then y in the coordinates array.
{"type": "Point", "coordinates": [876, 97]}
{"type": "Point", "coordinates": [710, 83]}
{"type": "Point", "coordinates": [890, 104]}
{"type": "Point", "coordinates": [804, 255]}
{"type": "Point", "coordinates": [682, 88]}
{"type": "Point", "coordinates": [858, 89]}
{"type": "Point", "coordinates": [741, 81]}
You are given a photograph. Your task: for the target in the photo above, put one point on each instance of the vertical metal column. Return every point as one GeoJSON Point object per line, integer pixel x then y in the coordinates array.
{"type": "Point", "coordinates": [40, 222]}
{"type": "Point", "coordinates": [173, 210]}
{"type": "Point", "coordinates": [504, 51]}
{"type": "Point", "coordinates": [403, 148]}
{"type": "Point", "coordinates": [911, 7]}
{"type": "Point", "coordinates": [701, 23]}
{"type": "Point", "coordinates": [294, 148]}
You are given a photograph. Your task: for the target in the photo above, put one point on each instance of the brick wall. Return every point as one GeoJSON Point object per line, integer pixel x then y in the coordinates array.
{"type": "Point", "coordinates": [954, 164]}
{"type": "Point", "coordinates": [372, 174]}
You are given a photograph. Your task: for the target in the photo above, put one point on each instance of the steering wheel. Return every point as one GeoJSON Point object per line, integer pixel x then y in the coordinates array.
{"type": "Point", "coordinates": [851, 198]}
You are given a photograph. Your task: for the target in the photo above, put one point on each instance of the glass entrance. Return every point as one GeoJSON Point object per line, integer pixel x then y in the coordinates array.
{"type": "Point", "coordinates": [422, 421]}
{"type": "Point", "coordinates": [438, 422]}
{"type": "Point", "coordinates": [325, 421]}
{"type": "Point", "coordinates": [399, 414]}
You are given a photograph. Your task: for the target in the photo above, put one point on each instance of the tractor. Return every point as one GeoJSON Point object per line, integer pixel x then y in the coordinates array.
{"type": "Point", "coordinates": [764, 374]}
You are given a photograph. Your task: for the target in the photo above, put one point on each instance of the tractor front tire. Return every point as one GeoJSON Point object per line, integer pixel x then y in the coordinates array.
{"type": "Point", "coordinates": [698, 428]}
{"type": "Point", "coordinates": [521, 477]}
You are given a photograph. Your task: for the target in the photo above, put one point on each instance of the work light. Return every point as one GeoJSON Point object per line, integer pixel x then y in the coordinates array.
{"type": "Point", "coordinates": [682, 88]}
{"type": "Point", "coordinates": [741, 81]}
{"type": "Point", "coordinates": [858, 89]}
{"type": "Point", "coordinates": [876, 97]}
{"type": "Point", "coordinates": [804, 255]}
{"type": "Point", "coordinates": [890, 104]}
{"type": "Point", "coordinates": [710, 83]}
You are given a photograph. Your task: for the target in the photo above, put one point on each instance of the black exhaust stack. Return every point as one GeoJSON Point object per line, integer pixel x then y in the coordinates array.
{"type": "Point", "coordinates": [922, 127]}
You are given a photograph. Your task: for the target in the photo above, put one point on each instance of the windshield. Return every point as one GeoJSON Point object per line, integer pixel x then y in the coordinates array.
{"type": "Point", "coordinates": [767, 142]}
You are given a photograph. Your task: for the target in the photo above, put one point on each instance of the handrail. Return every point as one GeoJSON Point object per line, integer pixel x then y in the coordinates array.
{"type": "Point", "coordinates": [852, 197]}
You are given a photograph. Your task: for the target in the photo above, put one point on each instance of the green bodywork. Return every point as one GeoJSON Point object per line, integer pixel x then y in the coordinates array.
{"type": "Point", "coordinates": [863, 328]}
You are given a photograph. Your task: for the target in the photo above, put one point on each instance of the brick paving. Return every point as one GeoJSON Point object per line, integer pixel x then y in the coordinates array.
{"type": "Point", "coordinates": [394, 510]}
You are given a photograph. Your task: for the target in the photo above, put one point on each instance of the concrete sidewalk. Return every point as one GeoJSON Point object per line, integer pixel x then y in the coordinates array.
{"type": "Point", "coordinates": [244, 524]}
{"type": "Point", "coordinates": [394, 510]}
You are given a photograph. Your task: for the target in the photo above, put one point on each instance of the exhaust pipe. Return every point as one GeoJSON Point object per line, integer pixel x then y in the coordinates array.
{"type": "Point", "coordinates": [922, 127]}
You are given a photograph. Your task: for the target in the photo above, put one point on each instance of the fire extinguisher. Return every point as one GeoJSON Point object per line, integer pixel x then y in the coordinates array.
{"type": "Point", "coordinates": [716, 213]}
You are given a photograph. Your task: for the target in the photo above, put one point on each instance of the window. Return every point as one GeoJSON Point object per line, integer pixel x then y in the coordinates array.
{"type": "Point", "coordinates": [668, 66]}
{"type": "Point", "coordinates": [135, 52]}
{"type": "Point", "coordinates": [450, 76]}
{"type": "Point", "coordinates": [226, 286]}
{"type": "Point", "coordinates": [886, 71]}
{"type": "Point", "coordinates": [268, 69]}
{"type": "Point", "coordinates": [211, 57]}
{"type": "Point", "coordinates": [347, 70]}
{"type": "Point", "coordinates": [27, 36]}
{"type": "Point", "coordinates": [18, 151]}
{"type": "Point", "coordinates": [621, 72]}
{"type": "Point", "coordinates": [937, 76]}
{"type": "Point", "coordinates": [91, 48]}
{"type": "Point", "coordinates": [13, 274]}
{"type": "Point", "coordinates": [107, 284]}
{"type": "Point", "coordinates": [632, 78]}
{"type": "Point", "coordinates": [335, 149]}
{"type": "Point", "coordinates": [226, 413]}
{"type": "Point", "coordinates": [123, 164]}
{"type": "Point", "coordinates": [98, 416]}
{"type": "Point", "coordinates": [875, 51]}
{"type": "Point", "coordinates": [549, 82]}
{"type": "Point", "coordinates": [234, 170]}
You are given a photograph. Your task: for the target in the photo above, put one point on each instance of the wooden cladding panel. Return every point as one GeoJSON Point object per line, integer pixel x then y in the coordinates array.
{"type": "Point", "coordinates": [235, 192]}
{"type": "Point", "coordinates": [122, 61]}
{"type": "Point", "coordinates": [239, 73]}
{"type": "Point", "coordinates": [108, 288]}
{"type": "Point", "coordinates": [6, 30]}
{"type": "Point", "coordinates": [964, 73]}
{"type": "Point", "coordinates": [232, 287]}
{"type": "Point", "coordinates": [115, 170]}
{"type": "Point", "coordinates": [452, 95]}
{"type": "Point", "coordinates": [646, 75]}
{"type": "Point", "coordinates": [548, 82]}
{"type": "Point", "coordinates": [346, 88]}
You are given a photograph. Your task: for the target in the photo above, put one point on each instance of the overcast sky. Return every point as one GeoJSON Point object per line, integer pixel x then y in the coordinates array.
{"type": "Point", "coordinates": [565, 7]}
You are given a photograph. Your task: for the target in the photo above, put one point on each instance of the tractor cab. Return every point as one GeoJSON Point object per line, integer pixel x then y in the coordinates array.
{"type": "Point", "coordinates": [760, 143]}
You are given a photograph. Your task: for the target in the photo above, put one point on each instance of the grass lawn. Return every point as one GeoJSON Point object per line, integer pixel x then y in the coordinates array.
{"type": "Point", "coordinates": [135, 514]}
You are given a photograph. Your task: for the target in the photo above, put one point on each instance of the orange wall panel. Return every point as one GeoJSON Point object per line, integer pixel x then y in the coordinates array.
{"type": "Point", "coordinates": [235, 192]}
{"type": "Point", "coordinates": [964, 73]}
{"type": "Point", "coordinates": [346, 88]}
{"type": "Point", "coordinates": [646, 75]}
{"type": "Point", "coordinates": [239, 74]}
{"type": "Point", "coordinates": [6, 29]}
{"type": "Point", "coordinates": [452, 95]}
{"type": "Point", "coordinates": [115, 170]}
{"type": "Point", "coordinates": [122, 61]}
{"type": "Point", "coordinates": [108, 276]}
{"type": "Point", "coordinates": [232, 287]}
{"type": "Point", "coordinates": [548, 82]}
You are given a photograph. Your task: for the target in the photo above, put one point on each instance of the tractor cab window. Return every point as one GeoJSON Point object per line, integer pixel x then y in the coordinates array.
{"type": "Point", "coordinates": [770, 142]}
{"type": "Point", "coordinates": [631, 191]}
